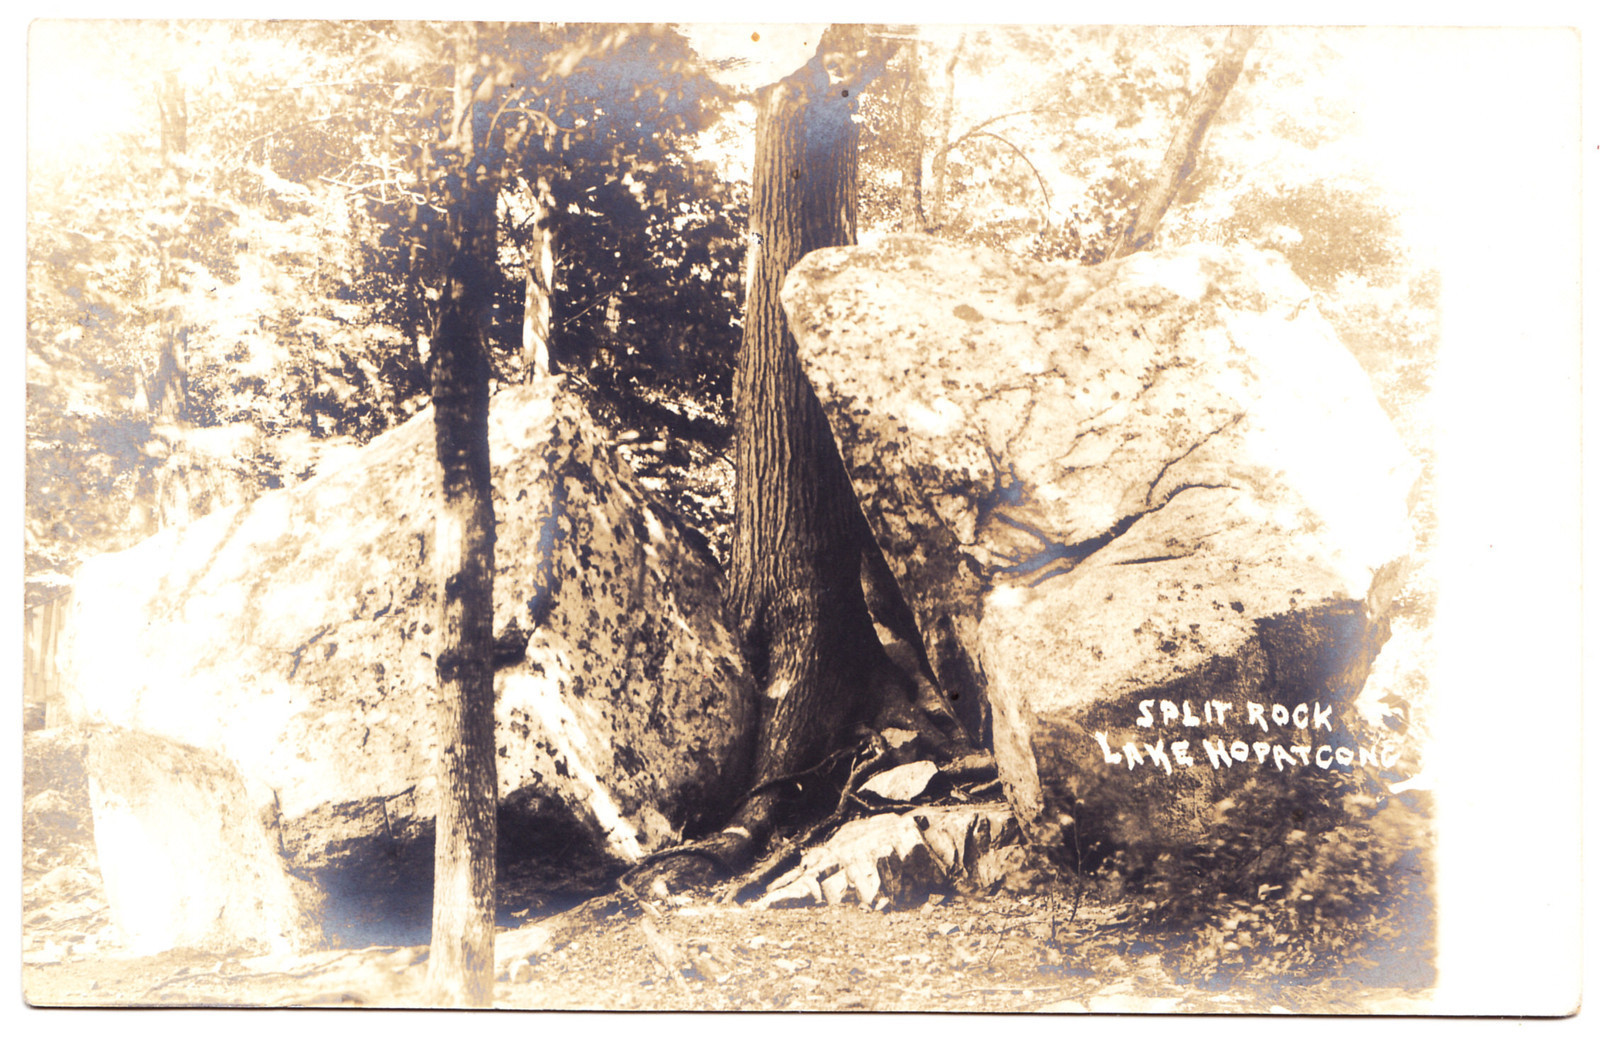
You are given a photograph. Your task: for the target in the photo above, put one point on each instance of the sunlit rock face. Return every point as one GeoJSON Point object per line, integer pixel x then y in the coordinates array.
{"type": "Point", "coordinates": [187, 859]}
{"type": "Point", "coordinates": [291, 640]}
{"type": "Point", "coordinates": [1113, 495]}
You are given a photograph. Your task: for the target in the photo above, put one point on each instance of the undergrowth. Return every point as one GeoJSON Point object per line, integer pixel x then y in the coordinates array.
{"type": "Point", "coordinates": [1323, 877]}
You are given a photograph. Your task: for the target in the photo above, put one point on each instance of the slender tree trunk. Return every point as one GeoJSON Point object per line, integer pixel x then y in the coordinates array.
{"type": "Point", "coordinates": [461, 960]}
{"type": "Point", "coordinates": [947, 106]}
{"type": "Point", "coordinates": [169, 386]}
{"type": "Point", "coordinates": [912, 217]}
{"type": "Point", "coordinates": [539, 264]}
{"type": "Point", "coordinates": [1184, 150]}
{"type": "Point", "coordinates": [176, 491]}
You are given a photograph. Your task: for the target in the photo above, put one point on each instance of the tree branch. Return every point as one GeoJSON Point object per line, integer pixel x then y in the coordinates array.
{"type": "Point", "coordinates": [1043, 189]}
{"type": "Point", "coordinates": [246, 146]}
{"type": "Point", "coordinates": [976, 128]}
{"type": "Point", "coordinates": [1184, 150]}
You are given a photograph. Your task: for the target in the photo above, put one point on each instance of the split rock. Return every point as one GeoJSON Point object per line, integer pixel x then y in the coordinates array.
{"type": "Point", "coordinates": [1160, 479]}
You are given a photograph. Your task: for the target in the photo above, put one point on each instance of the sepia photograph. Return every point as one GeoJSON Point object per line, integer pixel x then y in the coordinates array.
{"type": "Point", "coordinates": [846, 517]}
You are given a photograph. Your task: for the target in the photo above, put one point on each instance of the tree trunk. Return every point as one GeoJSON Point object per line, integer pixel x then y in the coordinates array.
{"type": "Point", "coordinates": [539, 265]}
{"type": "Point", "coordinates": [800, 543]}
{"type": "Point", "coordinates": [795, 557]}
{"type": "Point", "coordinates": [169, 386]}
{"type": "Point", "coordinates": [910, 144]}
{"type": "Point", "coordinates": [808, 586]}
{"type": "Point", "coordinates": [461, 960]}
{"type": "Point", "coordinates": [941, 158]}
{"type": "Point", "coordinates": [1185, 147]}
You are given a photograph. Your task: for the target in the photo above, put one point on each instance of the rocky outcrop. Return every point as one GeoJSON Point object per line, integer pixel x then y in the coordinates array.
{"type": "Point", "coordinates": [896, 859]}
{"type": "Point", "coordinates": [290, 642]}
{"type": "Point", "coordinates": [1118, 498]}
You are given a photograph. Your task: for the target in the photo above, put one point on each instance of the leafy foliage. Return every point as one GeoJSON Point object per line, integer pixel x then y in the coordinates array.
{"type": "Point", "coordinates": [1338, 887]}
{"type": "Point", "coordinates": [1056, 131]}
{"type": "Point", "coordinates": [298, 228]}
{"type": "Point", "coordinates": [1310, 874]}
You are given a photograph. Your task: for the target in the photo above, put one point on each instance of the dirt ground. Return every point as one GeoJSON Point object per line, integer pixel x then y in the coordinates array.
{"type": "Point", "coordinates": [1024, 946]}
{"type": "Point", "coordinates": [954, 954]}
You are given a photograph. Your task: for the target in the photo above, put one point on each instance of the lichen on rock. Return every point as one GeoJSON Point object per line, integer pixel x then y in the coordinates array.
{"type": "Point", "coordinates": [293, 638]}
{"type": "Point", "coordinates": [1149, 480]}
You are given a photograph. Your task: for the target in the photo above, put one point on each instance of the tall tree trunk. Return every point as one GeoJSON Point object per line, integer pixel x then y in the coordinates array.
{"type": "Point", "coordinates": [539, 265]}
{"type": "Point", "coordinates": [169, 386]}
{"type": "Point", "coordinates": [912, 217]}
{"type": "Point", "coordinates": [807, 584]}
{"type": "Point", "coordinates": [795, 557]}
{"type": "Point", "coordinates": [947, 106]}
{"type": "Point", "coordinates": [461, 960]}
{"type": "Point", "coordinates": [1184, 150]}
{"type": "Point", "coordinates": [800, 543]}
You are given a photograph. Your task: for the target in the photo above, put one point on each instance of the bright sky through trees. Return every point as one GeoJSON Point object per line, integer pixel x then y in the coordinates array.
{"type": "Point", "coordinates": [75, 99]}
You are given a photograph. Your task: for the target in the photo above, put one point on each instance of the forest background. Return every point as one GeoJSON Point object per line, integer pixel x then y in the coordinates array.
{"type": "Point", "coordinates": [1459, 154]}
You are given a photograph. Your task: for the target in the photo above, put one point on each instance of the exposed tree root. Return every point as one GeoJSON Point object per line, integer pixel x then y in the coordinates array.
{"type": "Point", "coordinates": [779, 781]}
{"type": "Point", "coordinates": [781, 858]}
{"type": "Point", "coordinates": [910, 724]}
{"type": "Point", "coordinates": [692, 866]}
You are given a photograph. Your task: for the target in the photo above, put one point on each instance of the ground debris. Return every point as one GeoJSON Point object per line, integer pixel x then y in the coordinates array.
{"type": "Point", "coordinates": [898, 859]}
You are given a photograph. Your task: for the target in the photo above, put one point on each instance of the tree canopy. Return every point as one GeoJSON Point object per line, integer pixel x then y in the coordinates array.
{"type": "Point", "coordinates": [293, 233]}
{"type": "Point", "coordinates": [293, 241]}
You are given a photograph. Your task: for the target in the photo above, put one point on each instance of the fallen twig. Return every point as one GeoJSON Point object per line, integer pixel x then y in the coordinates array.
{"type": "Point", "coordinates": [976, 766]}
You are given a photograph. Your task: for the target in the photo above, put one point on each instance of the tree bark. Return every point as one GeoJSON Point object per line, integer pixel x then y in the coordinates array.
{"type": "Point", "coordinates": [169, 386]}
{"type": "Point", "coordinates": [801, 547]}
{"type": "Point", "coordinates": [1184, 150]}
{"type": "Point", "coordinates": [941, 158]}
{"type": "Point", "coordinates": [461, 960]}
{"type": "Point", "coordinates": [795, 558]}
{"type": "Point", "coordinates": [912, 218]}
{"type": "Point", "coordinates": [539, 266]}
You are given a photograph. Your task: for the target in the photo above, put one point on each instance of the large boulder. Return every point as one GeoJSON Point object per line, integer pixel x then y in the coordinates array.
{"type": "Point", "coordinates": [288, 646]}
{"type": "Point", "coordinates": [1118, 497]}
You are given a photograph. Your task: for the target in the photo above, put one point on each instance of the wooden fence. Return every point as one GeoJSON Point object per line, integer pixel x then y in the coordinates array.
{"type": "Point", "coordinates": [41, 674]}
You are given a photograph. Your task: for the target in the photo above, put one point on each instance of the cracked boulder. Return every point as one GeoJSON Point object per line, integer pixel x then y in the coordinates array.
{"type": "Point", "coordinates": [282, 651]}
{"type": "Point", "coordinates": [1119, 498]}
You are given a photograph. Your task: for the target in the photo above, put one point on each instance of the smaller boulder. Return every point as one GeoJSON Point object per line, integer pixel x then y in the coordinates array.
{"type": "Point", "coordinates": [902, 783]}
{"type": "Point", "coordinates": [184, 856]}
